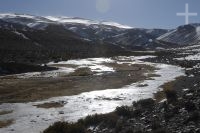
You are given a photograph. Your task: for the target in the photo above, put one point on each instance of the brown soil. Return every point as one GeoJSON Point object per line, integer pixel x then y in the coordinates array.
{"type": "Point", "coordinates": [25, 90]}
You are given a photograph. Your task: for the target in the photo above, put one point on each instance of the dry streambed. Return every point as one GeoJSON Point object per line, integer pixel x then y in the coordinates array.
{"type": "Point", "coordinates": [96, 85]}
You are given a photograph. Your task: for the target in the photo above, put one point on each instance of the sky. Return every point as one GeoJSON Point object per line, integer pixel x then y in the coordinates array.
{"type": "Point", "coordinates": [135, 13]}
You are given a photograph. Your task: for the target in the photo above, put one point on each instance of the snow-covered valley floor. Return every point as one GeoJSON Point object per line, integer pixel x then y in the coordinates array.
{"type": "Point", "coordinates": [29, 118]}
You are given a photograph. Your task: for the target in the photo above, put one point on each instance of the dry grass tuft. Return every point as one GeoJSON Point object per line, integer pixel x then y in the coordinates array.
{"type": "Point", "coordinates": [50, 105]}
{"type": "Point", "coordinates": [6, 123]}
{"type": "Point", "coordinates": [85, 71]}
{"type": "Point", "coordinates": [5, 112]}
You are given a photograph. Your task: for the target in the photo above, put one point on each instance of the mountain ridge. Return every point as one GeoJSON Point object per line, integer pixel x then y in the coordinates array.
{"type": "Point", "coordinates": [79, 38]}
{"type": "Point", "coordinates": [62, 20]}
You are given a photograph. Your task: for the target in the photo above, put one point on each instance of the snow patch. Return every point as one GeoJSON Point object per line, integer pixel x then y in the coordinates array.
{"type": "Point", "coordinates": [62, 71]}
{"type": "Point", "coordinates": [198, 30]}
{"type": "Point", "coordinates": [21, 34]}
{"type": "Point", "coordinates": [95, 64]}
{"type": "Point", "coordinates": [86, 22]}
{"type": "Point", "coordinates": [166, 34]}
{"type": "Point", "coordinates": [117, 25]}
{"type": "Point", "coordinates": [32, 25]}
{"type": "Point", "coordinates": [150, 40]}
{"type": "Point", "coordinates": [190, 57]}
{"type": "Point", "coordinates": [28, 118]}
{"type": "Point", "coordinates": [10, 15]}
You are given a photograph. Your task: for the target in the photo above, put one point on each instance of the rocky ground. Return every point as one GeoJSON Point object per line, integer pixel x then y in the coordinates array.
{"type": "Point", "coordinates": [176, 111]}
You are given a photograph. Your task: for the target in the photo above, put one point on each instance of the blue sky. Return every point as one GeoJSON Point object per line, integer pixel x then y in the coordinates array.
{"type": "Point", "coordinates": [136, 13]}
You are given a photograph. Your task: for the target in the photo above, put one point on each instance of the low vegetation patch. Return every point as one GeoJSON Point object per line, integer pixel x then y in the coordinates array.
{"type": "Point", "coordinates": [160, 130]}
{"type": "Point", "coordinates": [50, 105]}
{"type": "Point", "coordinates": [85, 71]}
{"type": "Point", "coordinates": [144, 103]}
{"type": "Point", "coordinates": [159, 96]}
{"type": "Point", "coordinates": [170, 93]}
{"type": "Point", "coordinates": [5, 123]}
{"type": "Point", "coordinates": [109, 120]}
{"type": "Point", "coordinates": [64, 127]}
{"type": "Point", "coordinates": [153, 75]}
{"type": "Point", "coordinates": [124, 111]}
{"type": "Point", "coordinates": [5, 112]}
{"type": "Point", "coordinates": [142, 85]}
{"type": "Point", "coordinates": [16, 68]}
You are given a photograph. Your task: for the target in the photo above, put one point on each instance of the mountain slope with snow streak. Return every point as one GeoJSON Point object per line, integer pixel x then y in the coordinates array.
{"type": "Point", "coordinates": [183, 35]}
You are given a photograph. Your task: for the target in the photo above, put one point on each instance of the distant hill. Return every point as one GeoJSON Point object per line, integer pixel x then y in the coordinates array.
{"type": "Point", "coordinates": [37, 39]}
{"type": "Point", "coordinates": [182, 36]}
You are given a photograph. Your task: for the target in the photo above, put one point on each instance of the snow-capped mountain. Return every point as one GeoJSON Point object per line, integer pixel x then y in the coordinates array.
{"type": "Point", "coordinates": [183, 35]}
{"type": "Point", "coordinates": [184, 41]}
{"type": "Point", "coordinates": [88, 30]}
{"type": "Point", "coordinates": [101, 31]}
{"type": "Point", "coordinates": [32, 21]}
{"type": "Point", "coordinates": [39, 39]}
{"type": "Point", "coordinates": [26, 20]}
{"type": "Point", "coordinates": [114, 33]}
{"type": "Point", "coordinates": [87, 22]}
{"type": "Point", "coordinates": [29, 38]}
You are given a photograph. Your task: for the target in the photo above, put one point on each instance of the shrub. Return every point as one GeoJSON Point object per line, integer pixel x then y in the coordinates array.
{"type": "Point", "coordinates": [195, 116]}
{"type": "Point", "coordinates": [169, 91]}
{"type": "Point", "coordinates": [190, 106]}
{"type": "Point", "coordinates": [160, 130]}
{"type": "Point", "coordinates": [124, 111]}
{"type": "Point", "coordinates": [156, 125]}
{"type": "Point", "coordinates": [171, 95]}
{"type": "Point", "coordinates": [144, 103]}
{"type": "Point", "coordinates": [109, 120]}
{"type": "Point", "coordinates": [64, 127]}
{"type": "Point", "coordinates": [91, 120]}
